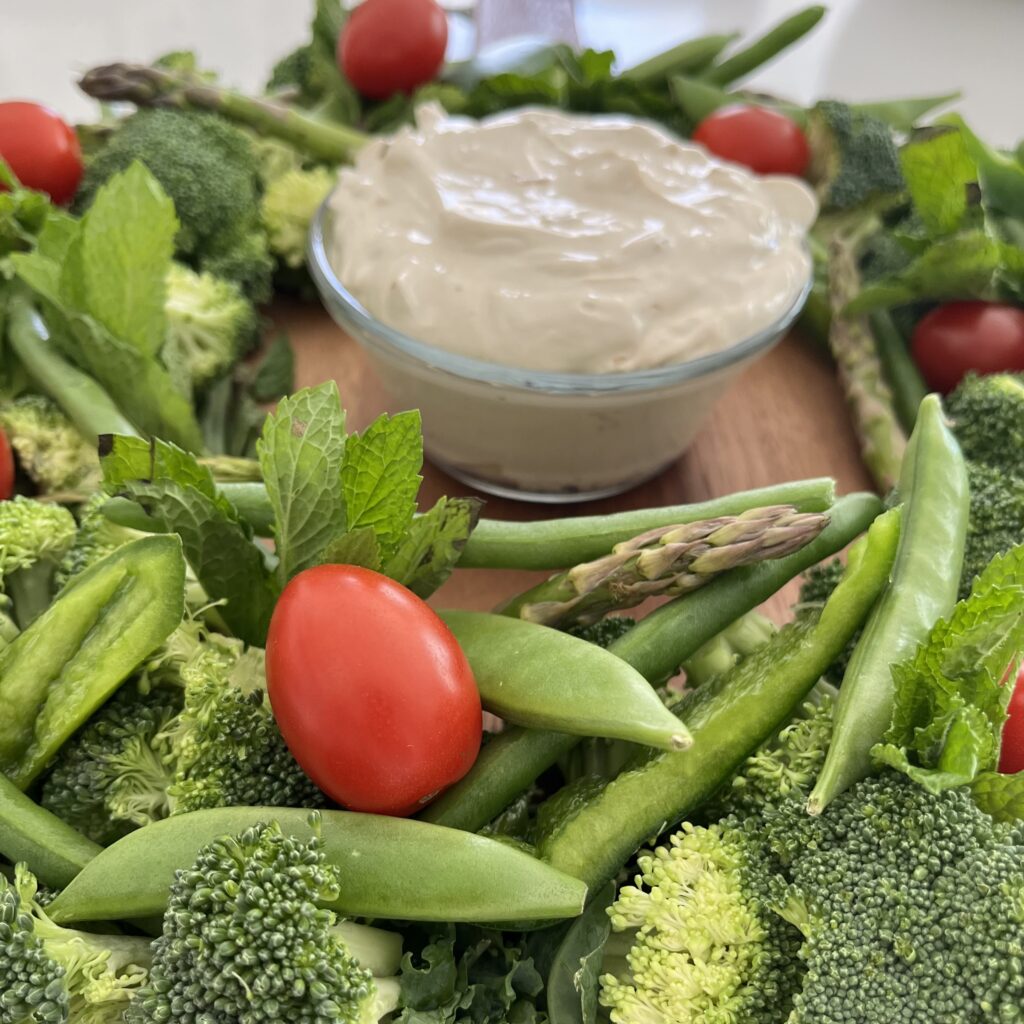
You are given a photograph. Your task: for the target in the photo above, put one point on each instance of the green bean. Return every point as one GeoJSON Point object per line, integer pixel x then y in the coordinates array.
{"type": "Point", "coordinates": [536, 676]}
{"type": "Point", "coordinates": [688, 58]}
{"type": "Point", "coordinates": [393, 868]}
{"type": "Point", "coordinates": [662, 641]}
{"type": "Point", "coordinates": [908, 387]}
{"type": "Point", "coordinates": [507, 764]}
{"type": "Point", "coordinates": [561, 543]}
{"type": "Point", "coordinates": [924, 586]}
{"type": "Point", "coordinates": [79, 651]}
{"type": "Point", "coordinates": [53, 850]}
{"type": "Point", "coordinates": [510, 762]}
{"type": "Point", "coordinates": [729, 717]}
{"type": "Point", "coordinates": [762, 50]}
{"type": "Point", "coordinates": [84, 402]}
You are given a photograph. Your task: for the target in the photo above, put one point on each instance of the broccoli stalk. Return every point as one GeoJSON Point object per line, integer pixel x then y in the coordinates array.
{"type": "Point", "coordinates": [160, 87]}
{"type": "Point", "coordinates": [56, 974]}
{"type": "Point", "coordinates": [246, 936]}
{"type": "Point", "coordinates": [34, 537]}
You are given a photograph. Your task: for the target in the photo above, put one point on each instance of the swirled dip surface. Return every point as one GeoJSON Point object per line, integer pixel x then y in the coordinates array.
{"type": "Point", "coordinates": [566, 242]}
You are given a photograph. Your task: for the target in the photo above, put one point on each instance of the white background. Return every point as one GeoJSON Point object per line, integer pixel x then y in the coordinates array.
{"type": "Point", "coordinates": [865, 49]}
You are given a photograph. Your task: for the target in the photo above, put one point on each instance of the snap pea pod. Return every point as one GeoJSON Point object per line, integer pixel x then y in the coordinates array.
{"type": "Point", "coordinates": [390, 867]}
{"type": "Point", "coordinates": [769, 46]}
{"type": "Point", "coordinates": [562, 543]}
{"type": "Point", "coordinates": [667, 637]}
{"type": "Point", "coordinates": [688, 58]}
{"type": "Point", "coordinates": [53, 850]}
{"type": "Point", "coordinates": [536, 676]}
{"type": "Point", "coordinates": [924, 585]}
{"type": "Point", "coordinates": [729, 717]}
{"type": "Point", "coordinates": [57, 672]}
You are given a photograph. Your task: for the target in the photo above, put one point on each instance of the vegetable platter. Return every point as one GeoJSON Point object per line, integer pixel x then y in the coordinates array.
{"type": "Point", "coordinates": [294, 729]}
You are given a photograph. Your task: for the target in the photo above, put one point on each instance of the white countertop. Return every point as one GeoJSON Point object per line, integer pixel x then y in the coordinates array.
{"type": "Point", "coordinates": [865, 49]}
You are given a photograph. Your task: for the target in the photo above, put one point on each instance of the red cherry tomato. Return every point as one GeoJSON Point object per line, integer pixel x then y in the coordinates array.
{"type": "Point", "coordinates": [6, 468]}
{"type": "Point", "coordinates": [41, 149]}
{"type": "Point", "coordinates": [764, 140]}
{"type": "Point", "coordinates": [1011, 756]}
{"type": "Point", "coordinates": [390, 46]}
{"type": "Point", "coordinates": [951, 340]}
{"type": "Point", "coordinates": [372, 693]}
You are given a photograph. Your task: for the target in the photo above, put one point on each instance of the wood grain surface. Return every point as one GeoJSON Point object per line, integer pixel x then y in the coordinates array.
{"type": "Point", "coordinates": [785, 419]}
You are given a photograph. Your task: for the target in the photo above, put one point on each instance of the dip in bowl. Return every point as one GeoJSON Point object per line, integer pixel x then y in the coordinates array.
{"type": "Point", "coordinates": [564, 296]}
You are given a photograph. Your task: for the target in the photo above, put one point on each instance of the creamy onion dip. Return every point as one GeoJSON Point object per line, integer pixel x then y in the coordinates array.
{"type": "Point", "coordinates": [566, 242]}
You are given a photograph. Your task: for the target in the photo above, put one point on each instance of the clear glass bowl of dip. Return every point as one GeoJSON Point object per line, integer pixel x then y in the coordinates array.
{"type": "Point", "coordinates": [535, 435]}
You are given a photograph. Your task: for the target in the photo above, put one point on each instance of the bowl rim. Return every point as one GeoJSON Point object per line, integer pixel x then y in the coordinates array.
{"type": "Point", "coordinates": [350, 313]}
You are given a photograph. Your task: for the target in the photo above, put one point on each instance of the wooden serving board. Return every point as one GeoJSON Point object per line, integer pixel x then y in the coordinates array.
{"type": "Point", "coordinates": [785, 419]}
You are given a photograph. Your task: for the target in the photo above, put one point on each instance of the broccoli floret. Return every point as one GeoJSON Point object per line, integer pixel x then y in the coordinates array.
{"type": "Point", "coordinates": [988, 420]}
{"type": "Point", "coordinates": [208, 168]}
{"type": "Point", "coordinates": [815, 589]}
{"type": "Point", "coordinates": [604, 632]}
{"type": "Point", "coordinates": [911, 904]}
{"type": "Point", "coordinates": [996, 520]}
{"type": "Point", "coordinates": [288, 207]}
{"type": "Point", "coordinates": [113, 776]}
{"type": "Point", "coordinates": [228, 748]}
{"type": "Point", "coordinates": [853, 156]}
{"type": "Point", "coordinates": [786, 765]}
{"type": "Point", "coordinates": [53, 975]}
{"type": "Point", "coordinates": [210, 325]}
{"type": "Point", "coordinates": [50, 450]}
{"type": "Point", "coordinates": [97, 536]}
{"type": "Point", "coordinates": [699, 944]}
{"type": "Point", "coordinates": [34, 537]}
{"type": "Point", "coordinates": [247, 936]}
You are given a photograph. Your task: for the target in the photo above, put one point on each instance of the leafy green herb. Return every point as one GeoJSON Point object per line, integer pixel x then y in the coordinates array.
{"type": "Point", "coordinates": [180, 495]}
{"type": "Point", "coordinates": [1001, 796]}
{"type": "Point", "coordinates": [301, 454]}
{"type": "Point", "coordinates": [951, 695]}
{"type": "Point", "coordinates": [938, 170]}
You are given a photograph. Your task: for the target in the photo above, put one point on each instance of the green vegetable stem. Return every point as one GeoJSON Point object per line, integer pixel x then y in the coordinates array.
{"type": "Point", "coordinates": [29, 834]}
{"type": "Point", "coordinates": [536, 676]}
{"type": "Point", "coordinates": [924, 586]}
{"type": "Point", "coordinates": [901, 372]}
{"type": "Point", "coordinates": [656, 647]}
{"type": "Point", "coordinates": [688, 58]}
{"type": "Point", "coordinates": [391, 868]}
{"type": "Point", "coordinates": [104, 623]}
{"type": "Point", "coordinates": [591, 837]}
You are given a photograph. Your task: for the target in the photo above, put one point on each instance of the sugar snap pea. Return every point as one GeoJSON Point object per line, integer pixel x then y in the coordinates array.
{"type": "Point", "coordinates": [536, 676]}
{"type": "Point", "coordinates": [924, 585]}
{"type": "Point", "coordinates": [592, 837]}
{"type": "Point", "coordinates": [656, 647]}
{"type": "Point", "coordinates": [74, 656]}
{"type": "Point", "coordinates": [789, 31]}
{"type": "Point", "coordinates": [391, 867]}
{"type": "Point", "coordinates": [53, 850]}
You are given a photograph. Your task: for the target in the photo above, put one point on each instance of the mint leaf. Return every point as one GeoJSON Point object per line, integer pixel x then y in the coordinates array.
{"type": "Point", "coordinates": [938, 170]}
{"type": "Point", "coordinates": [951, 696]}
{"type": "Point", "coordinates": [116, 268]}
{"type": "Point", "coordinates": [380, 477]}
{"type": "Point", "coordinates": [357, 547]}
{"type": "Point", "coordinates": [276, 374]}
{"type": "Point", "coordinates": [428, 552]}
{"type": "Point", "coordinates": [180, 495]}
{"type": "Point", "coordinates": [1001, 796]}
{"type": "Point", "coordinates": [300, 455]}
{"type": "Point", "coordinates": [971, 265]}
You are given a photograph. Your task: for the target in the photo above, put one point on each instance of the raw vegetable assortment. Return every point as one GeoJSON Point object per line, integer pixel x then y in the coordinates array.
{"type": "Point", "coordinates": [194, 723]}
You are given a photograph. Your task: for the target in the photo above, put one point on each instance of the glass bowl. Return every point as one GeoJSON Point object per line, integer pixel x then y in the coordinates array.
{"type": "Point", "coordinates": [534, 435]}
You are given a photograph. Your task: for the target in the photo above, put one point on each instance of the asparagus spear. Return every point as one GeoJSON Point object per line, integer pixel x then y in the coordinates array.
{"type": "Point", "coordinates": [158, 87]}
{"type": "Point", "coordinates": [666, 561]}
{"type": "Point", "coordinates": [882, 439]}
